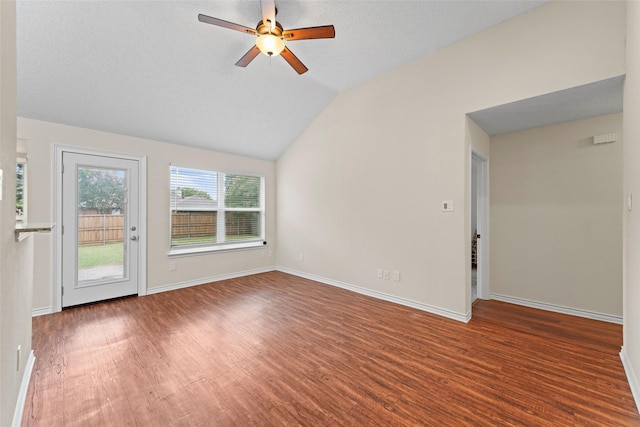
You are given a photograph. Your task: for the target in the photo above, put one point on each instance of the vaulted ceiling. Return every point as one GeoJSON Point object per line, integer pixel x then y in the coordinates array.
{"type": "Point", "coordinates": [149, 69]}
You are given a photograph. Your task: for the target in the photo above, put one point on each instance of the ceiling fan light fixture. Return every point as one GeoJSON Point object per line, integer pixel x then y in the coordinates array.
{"type": "Point", "coordinates": [271, 36]}
{"type": "Point", "coordinates": [269, 44]}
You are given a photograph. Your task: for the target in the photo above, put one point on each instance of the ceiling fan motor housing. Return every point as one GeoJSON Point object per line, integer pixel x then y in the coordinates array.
{"type": "Point", "coordinates": [276, 29]}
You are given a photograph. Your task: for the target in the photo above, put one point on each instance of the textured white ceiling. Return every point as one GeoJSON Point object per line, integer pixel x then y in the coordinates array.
{"type": "Point", "coordinates": [150, 69]}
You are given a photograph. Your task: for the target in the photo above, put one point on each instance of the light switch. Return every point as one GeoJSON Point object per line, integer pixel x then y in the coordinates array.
{"type": "Point", "coordinates": [447, 205]}
{"type": "Point", "coordinates": [630, 201]}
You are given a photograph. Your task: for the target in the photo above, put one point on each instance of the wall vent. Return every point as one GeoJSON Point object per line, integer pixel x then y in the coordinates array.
{"type": "Point", "coordinates": [605, 139]}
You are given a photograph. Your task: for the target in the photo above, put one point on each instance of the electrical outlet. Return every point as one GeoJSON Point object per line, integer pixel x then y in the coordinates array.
{"type": "Point", "coordinates": [385, 274]}
{"type": "Point", "coordinates": [301, 257]}
{"type": "Point", "coordinates": [379, 273]}
{"type": "Point", "coordinates": [396, 276]}
{"type": "Point", "coordinates": [172, 266]}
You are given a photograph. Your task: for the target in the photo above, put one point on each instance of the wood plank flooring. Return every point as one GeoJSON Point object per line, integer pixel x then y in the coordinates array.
{"type": "Point", "coordinates": [277, 350]}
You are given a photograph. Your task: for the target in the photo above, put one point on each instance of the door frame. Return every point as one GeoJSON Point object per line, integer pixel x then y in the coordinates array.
{"type": "Point", "coordinates": [482, 200]}
{"type": "Point", "coordinates": [56, 293]}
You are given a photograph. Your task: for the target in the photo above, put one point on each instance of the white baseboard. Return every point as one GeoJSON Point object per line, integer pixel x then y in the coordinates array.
{"type": "Point", "coordinates": [202, 281]}
{"type": "Point", "coordinates": [559, 308]}
{"type": "Point", "coordinates": [381, 295]}
{"type": "Point", "coordinates": [24, 388]}
{"type": "Point", "coordinates": [41, 311]}
{"type": "Point", "coordinates": [631, 377]}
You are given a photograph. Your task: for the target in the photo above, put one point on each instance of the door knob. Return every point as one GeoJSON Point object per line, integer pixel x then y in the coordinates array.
{"type": "Point", "coordinates": [134, 237]}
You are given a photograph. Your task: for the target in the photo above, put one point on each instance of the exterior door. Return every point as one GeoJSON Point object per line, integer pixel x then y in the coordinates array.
{"type": "Point", "coordinates": [100, 220]}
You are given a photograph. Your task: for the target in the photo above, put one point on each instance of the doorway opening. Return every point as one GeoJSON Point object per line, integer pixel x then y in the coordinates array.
{"type": "Point", "coordinates": [479, 227]}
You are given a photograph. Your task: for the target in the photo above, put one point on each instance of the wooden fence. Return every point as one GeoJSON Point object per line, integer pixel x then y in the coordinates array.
{"type": "Point", "coordinates": [203, 224]}
{"type": "Point", "coordinates": [97, 229]}
{"type": "Point", "coordinates": [193, 224]}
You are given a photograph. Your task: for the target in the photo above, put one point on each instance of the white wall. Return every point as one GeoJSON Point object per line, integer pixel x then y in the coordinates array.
{"type": "Point", "coordinates": [42, 136]}
{"type": "Point", "coordinates": [16, 261]}
{"type": "Point", "coordinates": [556, 228]}
{"type": "Point", "coordinates": [631, 346]}
{"type": "Point", "coordinates": [362, 188]}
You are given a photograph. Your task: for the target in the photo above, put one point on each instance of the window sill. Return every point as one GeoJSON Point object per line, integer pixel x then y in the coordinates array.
{"type": "Point", "coordinates": [213, 249]}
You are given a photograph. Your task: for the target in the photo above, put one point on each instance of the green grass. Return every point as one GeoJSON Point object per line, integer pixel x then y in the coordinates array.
{"type": "Point", "coordinates": [92, 256]}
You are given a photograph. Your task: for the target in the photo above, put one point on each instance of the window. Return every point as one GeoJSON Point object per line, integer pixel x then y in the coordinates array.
{"type": "Point", "coordinates": [21, 189]}
{"type": "Point", "coordinates": [215, 210]}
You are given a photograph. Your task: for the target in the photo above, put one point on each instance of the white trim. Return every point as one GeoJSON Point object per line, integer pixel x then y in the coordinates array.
{"type": "Point", "coordinates": [41, 311]}
{"type": "Point", "coordinates": [382, 296]}
{"type": "Point", "coordinates": [56, 235]}
{"type": "Point", "coordinates": [24, 388]}
{"type": "Point", "coordinates": [631, 377]}
{"type": "Point", "coordinates": [203, 250]}
{"type": "Point", "coordinates": [559, 309]}
{"type": "Point", "coordinates": [142, 226]}
{"type": "Point", "coordinates": [197, 282]}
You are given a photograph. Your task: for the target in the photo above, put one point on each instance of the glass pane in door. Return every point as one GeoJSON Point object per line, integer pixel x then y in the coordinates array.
{"type": "Point", "coordinates": [101, 224]}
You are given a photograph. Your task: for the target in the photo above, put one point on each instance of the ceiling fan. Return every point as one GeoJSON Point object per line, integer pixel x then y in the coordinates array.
{"type": "Point", "coordinates": [271, 37]}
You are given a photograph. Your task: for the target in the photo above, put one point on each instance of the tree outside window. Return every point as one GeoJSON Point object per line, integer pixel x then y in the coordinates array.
{"type": "Point", "coordinates": [101, 190]}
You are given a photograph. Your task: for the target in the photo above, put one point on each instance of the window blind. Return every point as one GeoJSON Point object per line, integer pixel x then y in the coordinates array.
{"type": "Point", "coordinates": [214, 209]}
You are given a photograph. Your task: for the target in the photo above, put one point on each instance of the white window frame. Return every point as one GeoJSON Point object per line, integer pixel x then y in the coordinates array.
{"type": "Point", "coordinates": [221, 210]}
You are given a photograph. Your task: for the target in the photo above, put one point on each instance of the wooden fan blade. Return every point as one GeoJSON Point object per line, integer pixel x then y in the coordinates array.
{"type": "Point", "coordinates": [322, 32]}
{"type": "Point", "coordinates": [293, 61]}
{"type": "Point", "coordinates": [268, 12]}
{"type": "Point", "coordinates": [248, 57]}
{"type": "Point", "coordinates": [226, 24]}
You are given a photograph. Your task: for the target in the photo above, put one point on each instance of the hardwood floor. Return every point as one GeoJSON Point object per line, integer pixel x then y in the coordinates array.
{"type": "Point", "coordinates": [277, 350]}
